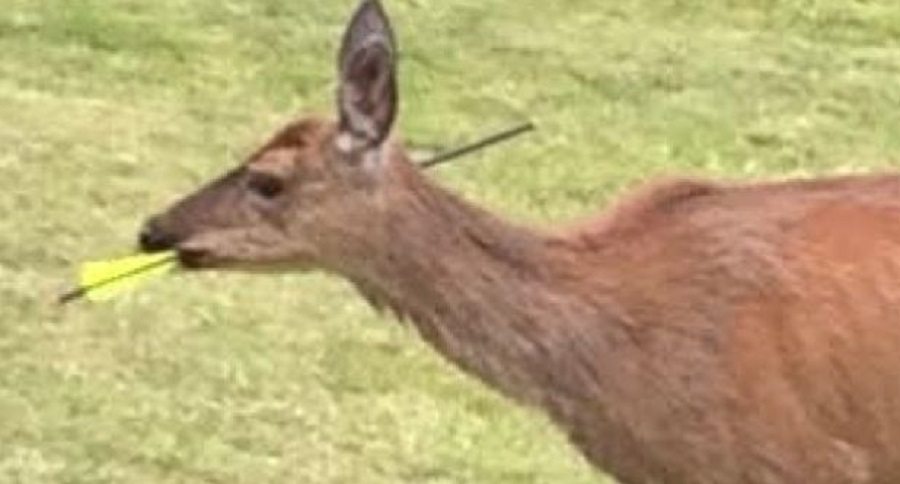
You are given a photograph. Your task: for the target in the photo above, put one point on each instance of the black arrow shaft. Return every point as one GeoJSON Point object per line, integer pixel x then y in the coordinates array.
{"type": "Point", "coordinates": [481, 144]}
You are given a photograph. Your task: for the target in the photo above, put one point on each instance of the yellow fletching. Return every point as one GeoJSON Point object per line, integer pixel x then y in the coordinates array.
{"type": "Point", "coordinates": [103, 280]}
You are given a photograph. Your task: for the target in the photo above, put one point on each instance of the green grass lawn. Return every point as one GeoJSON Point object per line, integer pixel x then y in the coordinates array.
{"type": "Point", "coordinates": [111, 108]}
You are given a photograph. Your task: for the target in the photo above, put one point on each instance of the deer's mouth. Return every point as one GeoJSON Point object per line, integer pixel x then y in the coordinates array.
{"type": "Point", "coordinates": [195, 259]}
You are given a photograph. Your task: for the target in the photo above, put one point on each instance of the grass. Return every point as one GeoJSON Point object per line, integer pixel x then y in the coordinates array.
{"type": "Point", "coordinates": [111, 108]}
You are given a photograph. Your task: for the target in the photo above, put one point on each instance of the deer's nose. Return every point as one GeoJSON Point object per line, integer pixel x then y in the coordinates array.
{"type": "Point", "coordinates": [154, 239]}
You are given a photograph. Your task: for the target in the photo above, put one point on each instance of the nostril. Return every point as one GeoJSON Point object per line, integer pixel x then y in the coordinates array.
{"type": "Point", "coordinates": [154, 239]}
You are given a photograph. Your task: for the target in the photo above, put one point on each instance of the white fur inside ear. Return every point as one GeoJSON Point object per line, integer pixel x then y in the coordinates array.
{"type": "Point", "coordinates": [345, 143]}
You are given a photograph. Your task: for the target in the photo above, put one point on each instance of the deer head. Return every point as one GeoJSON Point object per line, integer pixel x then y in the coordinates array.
{"type": "Point", "coordinates": [305, 197]}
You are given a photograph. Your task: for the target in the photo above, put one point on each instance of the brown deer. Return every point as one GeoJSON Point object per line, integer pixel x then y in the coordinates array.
{"type": "Point", "coordinates": [697, 332]}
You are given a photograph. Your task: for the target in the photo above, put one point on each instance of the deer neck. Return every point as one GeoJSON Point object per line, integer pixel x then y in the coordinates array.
{"type": "Point", "coordinates": [492, 297]}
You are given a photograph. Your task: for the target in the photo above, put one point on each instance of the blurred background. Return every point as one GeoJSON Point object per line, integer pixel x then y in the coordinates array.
{"type": "Point", "coordinates": [109, 109]}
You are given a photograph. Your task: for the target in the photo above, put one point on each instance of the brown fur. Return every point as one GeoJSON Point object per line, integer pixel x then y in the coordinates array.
{"type": "Point", "coordinates": [694, 333]}
{"type": "Point", "coordinates": [704, 334]}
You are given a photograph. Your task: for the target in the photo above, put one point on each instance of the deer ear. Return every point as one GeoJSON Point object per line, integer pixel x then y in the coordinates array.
{"type": "Point", "coordinates": [367, 95]}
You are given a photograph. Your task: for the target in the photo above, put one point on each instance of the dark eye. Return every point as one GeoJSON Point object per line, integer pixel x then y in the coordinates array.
{"type": "Point", "coordinates": [265, 186]}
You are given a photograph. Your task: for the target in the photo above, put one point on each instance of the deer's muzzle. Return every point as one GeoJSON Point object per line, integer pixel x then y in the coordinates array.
{"type": "Point", "coordinates": [153, 238]}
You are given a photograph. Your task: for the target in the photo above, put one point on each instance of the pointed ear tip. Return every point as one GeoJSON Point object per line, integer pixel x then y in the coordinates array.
{"type": "Point", "coordinates": [370, 7]}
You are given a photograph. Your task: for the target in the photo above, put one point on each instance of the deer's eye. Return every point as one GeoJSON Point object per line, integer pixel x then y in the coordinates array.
{"type": "Point", "coordinates": [265, 185]}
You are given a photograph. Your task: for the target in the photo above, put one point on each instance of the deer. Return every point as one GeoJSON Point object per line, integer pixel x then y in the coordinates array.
{"type": "Point", "coordinates": [696, 331]}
